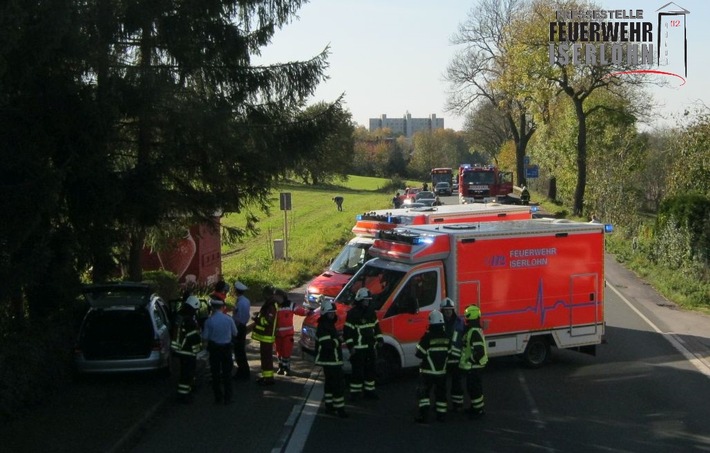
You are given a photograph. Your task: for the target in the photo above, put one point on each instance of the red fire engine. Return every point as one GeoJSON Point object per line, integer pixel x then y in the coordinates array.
{"type": "Point", "coordinates": [539, 283]}
{"type": "Point", "coordinates": [484, 183]}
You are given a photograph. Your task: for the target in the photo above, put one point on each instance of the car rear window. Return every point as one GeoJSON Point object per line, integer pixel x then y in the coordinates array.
{"type": "Point", "coordinates": [117, 333]}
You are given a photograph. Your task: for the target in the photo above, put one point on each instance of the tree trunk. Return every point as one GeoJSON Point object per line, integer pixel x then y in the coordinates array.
{"type": "Point", "coordinates": [520, 147]}
{"type": "Point", "coordinates": [581, 157]}
{"type": "Point", "coordinates": [135, 271]}
{"type": "Point", "coordinates": [552, 190]}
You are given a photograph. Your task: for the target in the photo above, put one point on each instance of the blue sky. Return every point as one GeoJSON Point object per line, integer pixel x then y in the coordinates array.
{"type": "Point", "coordinates": [389, 57]}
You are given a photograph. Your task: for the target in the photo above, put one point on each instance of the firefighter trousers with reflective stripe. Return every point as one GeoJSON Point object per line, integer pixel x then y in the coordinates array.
{"type": "Point", "coordinates": [455, 375]}
{"type": "Point", "coordinates": [186, 382]}
{"type": "Point", "coordinates": [426, 383]}
{"type": "Point", "coordinates": [474, 387]}
{"type": "Point", "coordinates": [266, 353]}
{"type": "Point", "coordinates": [334, 387]}
{"type": "Point", "coordinates": [364, 371]}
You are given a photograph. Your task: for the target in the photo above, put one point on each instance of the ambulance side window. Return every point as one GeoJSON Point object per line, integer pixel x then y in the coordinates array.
{"type": "Point", "coordinates": [419, 291]}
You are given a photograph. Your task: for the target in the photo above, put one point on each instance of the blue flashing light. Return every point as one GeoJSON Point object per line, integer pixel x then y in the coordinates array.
{"type": "Point", "coordinates": [534, 209]}
{"type": "Point", "coordinates": [358, 217]}
{"type": "Point", "coordinates": [608, 228]}
{"type": "Point", "coordinates": [422, 240]}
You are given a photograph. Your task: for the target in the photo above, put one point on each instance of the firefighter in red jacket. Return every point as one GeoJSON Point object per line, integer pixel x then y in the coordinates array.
{"type": "Point", "coordinates": [285, 331]}
{"type": "Point", "coordinates": [186, 344]}
{"type": "Point", "coordinates": [362, 335]}
{"type": "Point", "coordinates": [265, 333]}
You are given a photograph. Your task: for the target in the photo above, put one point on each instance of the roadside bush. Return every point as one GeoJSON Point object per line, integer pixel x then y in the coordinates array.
{"type": "Point", "coordinates": [37, 360]}
{"type": "Point", "coordinates": [166, 283]}
{"type": "Point", "coordinates": [683, 229]}
{"type": "Point", "coordinates": [394, 184]}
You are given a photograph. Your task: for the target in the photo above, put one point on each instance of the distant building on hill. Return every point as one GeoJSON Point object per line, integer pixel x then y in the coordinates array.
{"type": "Point", "coordinates": [407, 125]}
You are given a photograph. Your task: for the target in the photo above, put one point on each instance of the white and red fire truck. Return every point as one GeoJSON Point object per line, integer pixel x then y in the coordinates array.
{"type": "Point", "coordinates": [367, 225]}
{"type": "Point", "coordinates": [539, 283]}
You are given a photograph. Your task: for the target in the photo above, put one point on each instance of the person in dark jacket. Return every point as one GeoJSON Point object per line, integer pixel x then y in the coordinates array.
{"type": "Point", "coordinates": [362, 335]}
{"type": "Point", "coordinates": [185, 345]}
{"type": "Point", "coordinates": [433, 349]}
{"type": "Point", "coordinates": [454, 326]}
{"type": "Point", "coordinates": [329, 355]}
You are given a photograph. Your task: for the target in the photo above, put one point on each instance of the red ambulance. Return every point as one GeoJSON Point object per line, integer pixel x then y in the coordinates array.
{"type": "Point", "coordinates": [367, 225]}
{"type": "Point", "coordinates": [539, 283]}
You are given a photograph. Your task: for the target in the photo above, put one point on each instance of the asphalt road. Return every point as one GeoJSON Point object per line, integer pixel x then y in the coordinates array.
{"type": "Point", "coordinates": [644, 391]}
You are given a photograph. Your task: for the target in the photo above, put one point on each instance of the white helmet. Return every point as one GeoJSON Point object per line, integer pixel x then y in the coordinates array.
{"type": "Point", "coordinates": [435, 317]}
{"type": "Point", "coordinates": [327, 306]}
{"type": "Point", "coordinates": [362, 294]}
{"type": "Point", "coordinates": [193, 302]}
{"type": "Point", "coordinates": [447, 303]}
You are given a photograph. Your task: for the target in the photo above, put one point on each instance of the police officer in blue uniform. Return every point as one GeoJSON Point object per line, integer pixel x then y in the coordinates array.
{"type": "Point", "coordinates": [219, 334]}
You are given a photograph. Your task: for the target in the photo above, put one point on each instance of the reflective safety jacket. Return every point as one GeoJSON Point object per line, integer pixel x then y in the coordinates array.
{"type": "Point", "coordinates": [474, 353]}
{"type": "Point", "coordinates": [187, 340]}
{"type": "Point", "coordinates": [362, 330]}
{"type": "Point", "coordinates": [328, 343]}
{"type": "Point", "coordinates": [454, 330]}
{"type": "Point", "coordinates": [284, 318]}
{"type": "Point", "coordinates": [265, 323]}
{"type": "Point", "coordinates": [433, 349]}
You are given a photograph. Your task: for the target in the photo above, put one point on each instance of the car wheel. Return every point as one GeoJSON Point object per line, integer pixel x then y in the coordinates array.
{"type": "Point", "coordinates": [537, 352]}
{"type": "Point", "coordinates": [389, 365]}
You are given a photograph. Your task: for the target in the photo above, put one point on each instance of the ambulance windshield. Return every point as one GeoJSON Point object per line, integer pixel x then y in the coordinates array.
{"type": "Point", "coordinates": [351, 258]}
{"type": "Point", "coordinates": [380, 281]}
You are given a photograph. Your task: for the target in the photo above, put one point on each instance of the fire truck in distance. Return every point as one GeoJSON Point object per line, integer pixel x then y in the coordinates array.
{"type": "Point", "coordinates": [484, 183]}
{"type": "Point", "coordinates": [539, 283]}
{"type": "Point", "coordinates": [369, 224]}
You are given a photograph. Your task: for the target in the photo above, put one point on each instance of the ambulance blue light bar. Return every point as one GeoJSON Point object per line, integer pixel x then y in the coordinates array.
{"type": "Point", "coordinates": [608, 228]}
{"type": "Point", "coordinates": [405, 237]}
{"type": "Point", "coordinates": [389, 218]}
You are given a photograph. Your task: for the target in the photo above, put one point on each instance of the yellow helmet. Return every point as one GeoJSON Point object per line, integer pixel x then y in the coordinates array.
{"type": "Point", "coordinates": [472, 313]}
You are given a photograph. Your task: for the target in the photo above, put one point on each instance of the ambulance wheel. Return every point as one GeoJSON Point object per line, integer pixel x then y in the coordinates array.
{"type": "Point", "coordinates": [537, 352]}
{"type": "Point", "coordinates": [388, 365]}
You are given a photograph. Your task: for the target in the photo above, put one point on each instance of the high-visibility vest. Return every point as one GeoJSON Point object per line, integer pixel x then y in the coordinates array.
{"type": "Point", "coordinates": [265, 325]}
{"type": "Point", "coordinates": [187, 340]}
{"type": "Point", "coordinates": [470, 343]}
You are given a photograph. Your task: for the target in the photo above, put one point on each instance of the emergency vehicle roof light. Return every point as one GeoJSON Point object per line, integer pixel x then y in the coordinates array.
{"type": "Point", "coordinates": [608, 228]}
{"type": "Point", "coordinates": [534, 208]}
{"type": "Point", "coordinates": [404, 236]}
{"type": "Point", "coordinates": [389, 218]}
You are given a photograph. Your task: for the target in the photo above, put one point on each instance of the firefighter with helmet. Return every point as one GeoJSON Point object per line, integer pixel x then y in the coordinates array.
{"type": "Point", "coordinates": [329, 355]}
{"type": "Point", "coordinates": [362, 335]}
{"type": "Point", "coordinates": [474, 358]}
{"type": "Point", "coordinates": [185, 345]}
{"type": "Point", "coordinates": [433, 350]}
{"type": "Point", "coordinates": [454, 326]}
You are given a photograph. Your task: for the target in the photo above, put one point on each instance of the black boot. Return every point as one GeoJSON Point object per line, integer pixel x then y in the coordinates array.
{"type": "Point", "coordinates": [342, 413]}
{"type": "Point", "coordinates": [329, 409]}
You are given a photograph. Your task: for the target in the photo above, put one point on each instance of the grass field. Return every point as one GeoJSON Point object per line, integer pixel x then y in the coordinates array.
{"type": "Point", "coordinates": [316, 233]}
